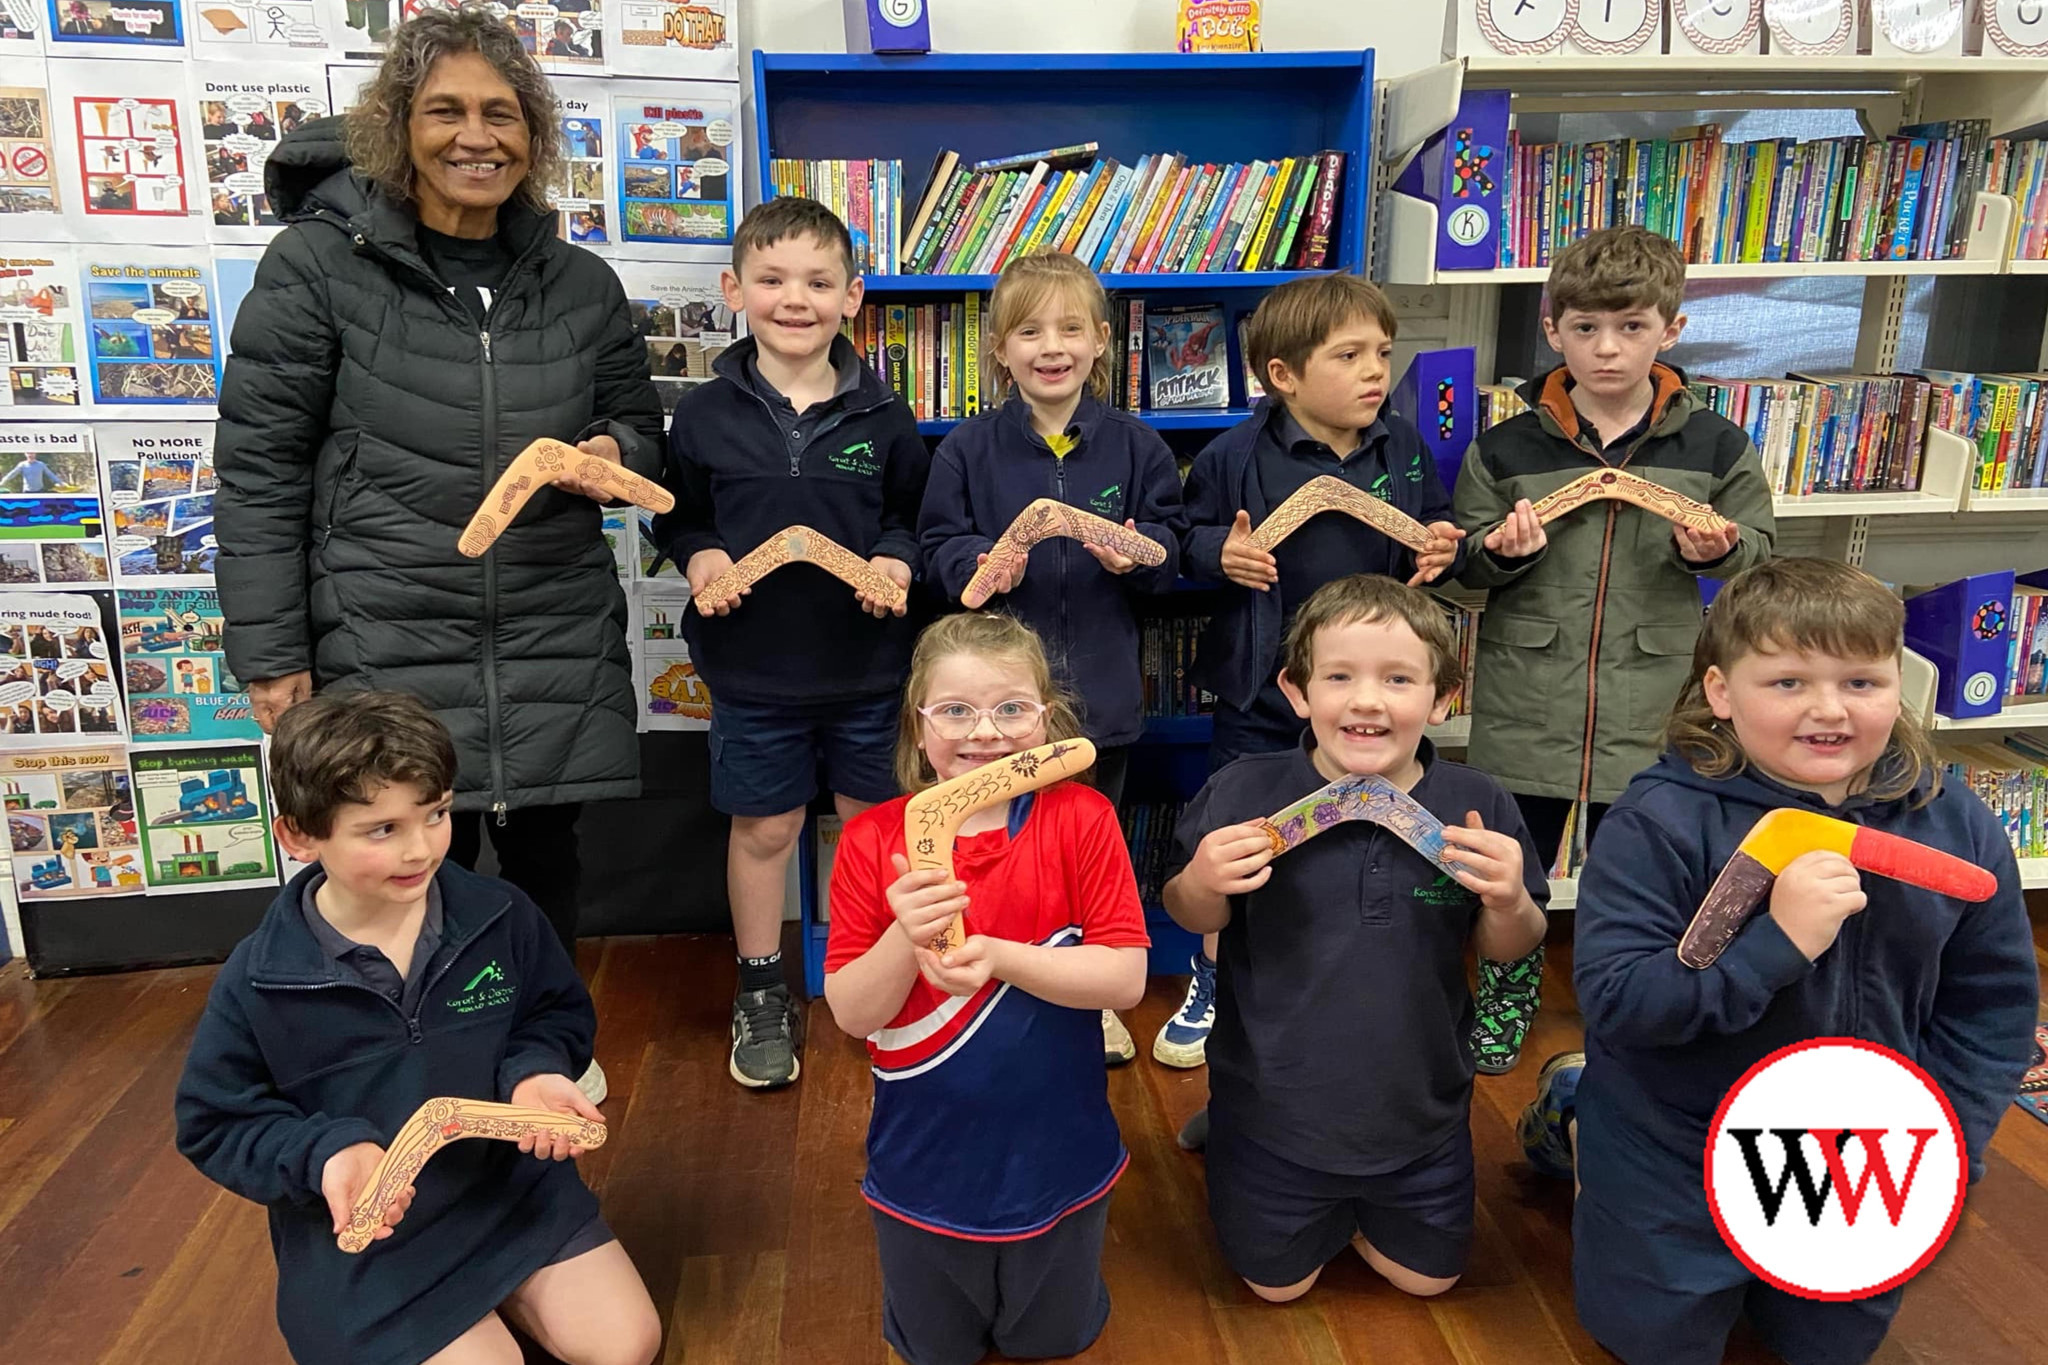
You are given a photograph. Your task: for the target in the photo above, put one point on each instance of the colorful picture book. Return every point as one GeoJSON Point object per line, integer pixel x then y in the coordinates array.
{"type": "Point", "coordinates": [1187, 356]}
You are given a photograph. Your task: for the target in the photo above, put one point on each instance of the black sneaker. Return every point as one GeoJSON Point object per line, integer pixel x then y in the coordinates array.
{"type": "Point", "coordinates": [766, 1030]}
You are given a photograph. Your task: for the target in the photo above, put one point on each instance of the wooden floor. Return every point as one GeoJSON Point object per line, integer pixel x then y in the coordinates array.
{"type": "Point", "coordinates": [742, 1213]}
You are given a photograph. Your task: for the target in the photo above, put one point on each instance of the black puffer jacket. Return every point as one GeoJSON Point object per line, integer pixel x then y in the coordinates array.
{"type": "Point", "coordinates": [363, 418]}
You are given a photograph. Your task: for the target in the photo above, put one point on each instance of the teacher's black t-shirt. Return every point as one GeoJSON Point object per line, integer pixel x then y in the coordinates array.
{"type": "Point", "coordinates": [473, 268]}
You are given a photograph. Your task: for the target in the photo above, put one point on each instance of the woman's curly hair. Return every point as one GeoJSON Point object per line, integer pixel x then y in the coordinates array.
{"type": "Point", "coordinates": [379, 129]}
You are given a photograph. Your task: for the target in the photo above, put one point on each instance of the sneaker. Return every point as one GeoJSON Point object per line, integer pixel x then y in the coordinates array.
{"type": "Point", "coordinates": [765, 1030]}
{"type": "Point", "coordinates": [1507, 1006]}
{"type": "Point", "coordinates": [591, 1083]}
{"type": "Point", "coordinates": [1194, 1134]}
{"type": "Point", "coordinates": [1117, 1047]}
{"type": "Point", "coordinates": [1545, 1126]}
{"type": "Point", "coordinates": [1184, 1042]}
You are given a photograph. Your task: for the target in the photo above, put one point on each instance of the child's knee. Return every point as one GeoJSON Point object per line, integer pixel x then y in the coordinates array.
{"type": "Point", "coordinates": [767, 836]}
{"type": "Point", "coordinates": [633, 1339]}
{"type": "Point", "coordinates": [1285, 1293]}
{"type": "Point", "coordinates": [1400, 1276]}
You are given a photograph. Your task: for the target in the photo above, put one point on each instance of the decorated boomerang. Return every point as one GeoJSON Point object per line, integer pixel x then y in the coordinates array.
{"type": "Point", "coordinates": [933, 817]}
{"type": "Point", "coordinates": [1622, 486]}
{"type": "Point", "coordinates": [1327, 494]}
{"type": "Point", "coordinates": [433, 1126]}
{"type": "Point", "coordinates": [1785, 833]}
{"type": "Point", "coordinates": [1044, 519]}
{"type": "Point", "coordinates": [802, 545]}
{"type": "Point", "coordinates": [540, 464]}
{"type": "Point", "coordinates": [1370, 797]}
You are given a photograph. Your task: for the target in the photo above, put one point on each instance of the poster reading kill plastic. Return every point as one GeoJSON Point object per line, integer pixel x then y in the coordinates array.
{"type": "Point", "coordinates": [672, 696]}
{"type": "Point", "coordinates": [680, 310]}
{"type": "Point", "coordinates": [150, 315]}
{"type": "Point", "coordinates": [28, 152]}
{"type": "Point", "coordinates": [240, 122]}
{"type": "Point", "coordinates": [128, 152]}
{"type": "Point", "coordinates": [52, 522]}
{"type": "Point", "coordinates": [129, 28]}
{"type": "Point", "coordinates": [158, 481]}
{"type": "Point", "coordinates": [179, 687]}
{"type": "Point", "coordinates": [71, 823]}
{"type": "Point", "coordinates": [56, 672]}
{"type": "Point", "coordinates": [203, 817]}
{"type": "Point", "coordinates": [256, 30]}
{"type": "Point", "coordinates": [691, 39]}
{"type": "Point", "coordinates": [676, 146]}
{"type": "Point", "coordinates": [41, 341]}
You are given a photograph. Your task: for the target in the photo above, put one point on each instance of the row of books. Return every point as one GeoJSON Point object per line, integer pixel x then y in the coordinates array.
{"type": "Point", "coordinates": [2005, 417]}
{"type": "Point", "coordinates": [1497, 403]}
{"type": "Point", "coordinates": [2020, 168]}
{"type": "Point", "coordinates": [1830, 433]}
{"type": "Point", "coordinates": [867, 196]}
{"type": "Point", "coordinates": [1166, 659]}
{"type": "Point", "coordinates": [1148, 832]}
{"type": "Point", "coordinates": [2026, 665]}
{"type": "Point", "coordinates": [1834, 199]}
{"type": "Point", "coordinates": [1465, 623]}
{"type": "Point", "coordinates": [2012, 779]}
{"type": "Point", "coordinates": [1164, 214]}
{"type": "Point", "coordinates": [930, 353]}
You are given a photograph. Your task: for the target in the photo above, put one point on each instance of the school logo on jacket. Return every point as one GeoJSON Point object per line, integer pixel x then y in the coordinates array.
{"type": "Point", "coordinates": [858, 459]}
{"type": "Point", "coordinates": [488, 989]}
{"type": "Point", "coordinates": [1835, 1169]}
{"type": "Point", "coordinates": [1107, 502]}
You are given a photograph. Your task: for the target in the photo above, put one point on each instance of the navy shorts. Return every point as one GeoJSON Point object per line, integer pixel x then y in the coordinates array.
{"type": "Point", "coordinates": [765, 759]}
{"type": "Point", "coordinates": [949, 1301]}
{"type": "Point", "coordinates": [1657, 1293]}
{"type": "Point", "coordinates": [1279, 1223]}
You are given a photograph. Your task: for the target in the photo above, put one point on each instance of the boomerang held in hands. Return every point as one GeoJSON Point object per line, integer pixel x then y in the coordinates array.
{"type": "Point", "coordinates": [545, 462]}
{"type": "Point", "coordinates": [1371, 798]}
{"type": "Point", "coordinates": [1044, 519]}
{"type": "Point", "coordinates": [1619, 485]}
{"type": "Point", "coordinates": [1327, 494]}
{"type": "Point", "coordinates": [802, 545]}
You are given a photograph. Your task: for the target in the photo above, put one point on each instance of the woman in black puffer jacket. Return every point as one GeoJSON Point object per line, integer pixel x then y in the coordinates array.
{"type": "Point", "coordinates": [411, 331]}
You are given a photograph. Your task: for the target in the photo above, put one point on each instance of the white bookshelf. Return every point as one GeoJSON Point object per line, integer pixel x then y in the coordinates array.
{"type": "Point", "coordinates": [1454, 733]}
{"type": "Point", "coordinates": [2034, 873]}
{"type": "Point", "coordinates": [2025, 716]}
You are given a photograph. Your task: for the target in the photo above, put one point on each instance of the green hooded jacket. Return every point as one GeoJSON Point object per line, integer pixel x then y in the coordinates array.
{"type": "Point", "coordinates": [1584, 645]}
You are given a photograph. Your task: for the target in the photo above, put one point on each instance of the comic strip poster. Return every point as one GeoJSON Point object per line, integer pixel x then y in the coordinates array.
{"type": "Point", "coordinates": [345, 82]}
{"type": "Point", "coordinates": [690, 39]}
{"type": "Point", "coordinates": [672, 696]}
{"type": "Point", "coordinates": [71, 823]}
{"type": "Point", "coordinates": [240, 121]}
{"type": "Point", "coordinates": [132, 28]}
{"type": "Point", "coordinates": [41, 341]}
{"type": "Point", "coordinates": [234, 275]}
{"type": "Point", "coordinates": [680, 310]}
{"type": "Point", "coordinates": [29, 202]}
{"type": "Point", "coordinates": [619, 531]}
{"type": "Point", "coordinates": [583, 215]}
{"type": "Point", "coordinates": [149, 315]}
{"type": "Point", "coordinates": [203, 817]}
{"type": "Point", "coordinates": [56, 671]}
{"type": "Point", "coordinates": [52, 521]}
{"type": "Point", "coordinates": [562, 35]}
{"type": "Point", "coordinates": [179, 687]}
{"type": "Point", "coordinates": [127, 152]}
{"type": "Point", "coordinates": [21, 28]}
{"type": "Point", "coordinates": [675, 145]}
{"type": "Point", "coordinates": [256, 30]}
{"type": "Point", "coordinates": [158, 482]}
{"type": "Point", "coordinates": [651, 563]}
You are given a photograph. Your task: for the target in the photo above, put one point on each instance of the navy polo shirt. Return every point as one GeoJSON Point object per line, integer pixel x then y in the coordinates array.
{"type": "Point", "coordinates": [368, 965]}
{"type": "Point", "coordinates": [1342, 1008]}
{"type": "Point", "coordinates": [1323, 548]}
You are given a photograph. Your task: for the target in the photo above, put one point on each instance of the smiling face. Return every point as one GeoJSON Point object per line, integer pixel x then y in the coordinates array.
{"type": "Point", "coordinates": [1811, 721]}
{"type": "Point", "coordinates": [1050, 353]}
{"type": "Point", "coordinates": [378, 856]}
{"type": "Point", "coordinates": [983, 683]}
{"type": "Point", "coordinates": [1370, 692]}
{"type": "Point", "coordinates": [795, 293]}
{"type": "Point", "coordinates": [470, 145]}
{"type": "Point", "coordinates": [1342, 384]}
{"type": "Point", "coordinates": [1609, 352]}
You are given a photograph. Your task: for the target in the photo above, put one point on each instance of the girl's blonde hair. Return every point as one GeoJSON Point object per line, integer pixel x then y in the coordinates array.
{"type": "Point", "coordinates": [1026, 284]}
{"type": "Point", "coordinates": [1816, 605]}
{"type": "Point", "coordinates": [986, 635]}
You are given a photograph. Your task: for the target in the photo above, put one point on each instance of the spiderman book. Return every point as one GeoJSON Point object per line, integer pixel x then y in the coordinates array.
{"type": "Point", "coordinates": [1188, 356]}
{"type": "Point", "coordinates": [1463, 171]}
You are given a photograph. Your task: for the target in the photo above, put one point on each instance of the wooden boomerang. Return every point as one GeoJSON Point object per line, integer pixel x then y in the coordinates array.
{"type": "Point", "coordinates": [1622, 486]}
{"type": "Point", "coordinates": [1371, 798]}
{"type": "Point", "coordinates": [433, 1126]}
{"type": "Point", "coordinates": [540, 464]}
{"type": "Point", "coordinates": [802, 545]}
{"type": "Point", "coordinates": [1327, 494]}
{"type": "Point", "coordinates": [1783, 835]}
{"type": "Point", "coordinates": [1044, 519]}
{"type": "Point", "coordinates": [933, 817]}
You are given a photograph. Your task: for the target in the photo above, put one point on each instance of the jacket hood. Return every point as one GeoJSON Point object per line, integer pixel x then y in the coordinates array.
{"type": "Point", "coordinates": [1751, 787]}
{"type": "Point", "coordinates": [1549, 394]}
{"type": "Point", "coordinates": [872, 391]}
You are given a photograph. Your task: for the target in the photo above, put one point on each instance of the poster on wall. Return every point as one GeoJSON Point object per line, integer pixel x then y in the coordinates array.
{"type": "Point", "coordinates": [203, 817]}
{"type": "Point", "coordinates": [179, 687]}
{"type": "Point", "coordinates": [234, 275]}
{"type": "Point", "coordinates": [158, 480]}
{"type": "Point", "coordinates": [21, 28]}
{"type": "Point", "coordinates": [651, 563]}
{"type": "Point", "coordinates": [29, 201]}
{"type": "Point", "coordinates": [71, 823]}
{"type": "Point", "coordinates": [345, 82]}
{"type": "Point", "coordinates": [582, 214]}
{"type": "Point", "coordinates": [562, 35]}
{"type": "Point", "coordinates": [247, 31]}
{"type": "Point", "coordinates": [149, 315]}
{"type": "Point", "coordinates": [52, 522]}
{"type": "Point", "coordinates": [676, 144]}
{"type": "Point", "coordinates": [690, 39]}
{"type": "Point", "coordinates": [127, 162]}
{"type": "Point", "coordinates": [240, 122]}
{"type": "Point", "coordinates": [681, 312]}
{"type": "Point", "coordinates": [672, 696]}
{"type": "Point", "coordinates": [56, 672]}
{"type": "Point", "coordinates": [41, 340]}
{"type": "Point", "coordinates": [131, 28]}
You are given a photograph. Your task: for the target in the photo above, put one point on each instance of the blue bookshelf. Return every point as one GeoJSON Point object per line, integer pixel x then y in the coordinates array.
{"type": "Point", "coordinates": [1205, 419]}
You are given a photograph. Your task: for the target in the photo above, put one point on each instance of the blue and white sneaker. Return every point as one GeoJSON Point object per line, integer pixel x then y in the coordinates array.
{"type": "Point", "coordinates": [1184, 1042]}
{"type": "Point", "coordinates": [1546, 1125]}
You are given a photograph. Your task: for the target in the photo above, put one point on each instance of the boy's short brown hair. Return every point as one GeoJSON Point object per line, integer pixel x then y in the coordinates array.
{"type": "Point", "coordinates": [1298, 316]}
{"type": "Point", "coordinates": [1371, 597]}
{"type": "Point", "coordinates": [1615, 270]}
{"type": "Point", "coordinates": [792, 216]}
{"type": "Point", "coordinates": [340, 747]}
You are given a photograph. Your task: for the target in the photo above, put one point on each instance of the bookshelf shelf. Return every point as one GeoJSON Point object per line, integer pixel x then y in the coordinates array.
{"type": "Point", "coordinates": [981, 284]}
{"type": "Point", "coordinates": [1762, 270]}
{"type": "Point", "coordinates": [2033, 873]}
{"type": "Point", "coordinates": [2020, 501]}
{"type": "Point", "coordinates": [2022, 717]}
{"type": "Point", "coordinates": [1707, 74]}
{"type": "Point", "coordinates": [1454, 733]}
{"type": "Point", "coordinates": [1194, 419]}
{"type": "Point", "coordinates": [1788, 508]}
{"type": "Point", "coordinates": [1564, 891]}
{"type": "Point", "coordinates": [2027, 267]}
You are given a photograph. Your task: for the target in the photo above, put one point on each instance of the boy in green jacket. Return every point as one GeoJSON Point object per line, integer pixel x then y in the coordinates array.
{"type": "Point", "coordinates": [1589, 625]}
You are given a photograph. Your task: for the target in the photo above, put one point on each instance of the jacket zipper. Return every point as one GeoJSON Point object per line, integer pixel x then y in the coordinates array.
{"type": "Point", "coordinates": [1599, 615]}
{"type": "Point", "coordinates": [1059, 488]}
{"type": "Point", "coordinates": [493, 719]}
{"type": "Point", "coordinates": [414, 1033]}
